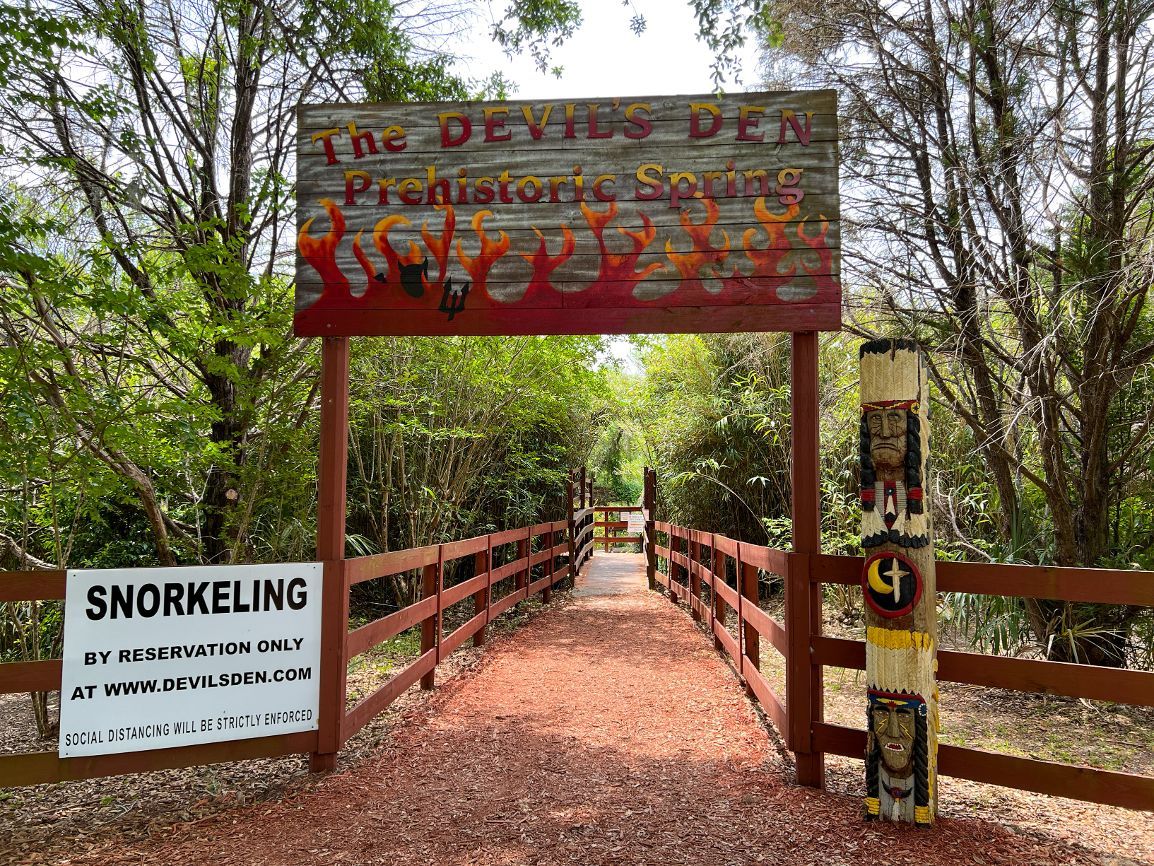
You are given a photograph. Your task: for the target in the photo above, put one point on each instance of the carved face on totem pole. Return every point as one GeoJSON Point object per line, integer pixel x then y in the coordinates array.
{"type": "Point", "coordinates": [887, 433]}
{"type": "Point", "coordinates": [891, 474]}
{"type": "Point", "coordinates": [893, 726]}
{"type": "Point", "coordinates": [898, 755]}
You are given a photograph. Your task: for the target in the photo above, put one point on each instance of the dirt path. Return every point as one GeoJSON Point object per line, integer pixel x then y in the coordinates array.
{"type": "Point", "coordinates": [606, 731]}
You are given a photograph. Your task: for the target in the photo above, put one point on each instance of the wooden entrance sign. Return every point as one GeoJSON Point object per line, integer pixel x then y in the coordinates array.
{"type": "Point", "coordinates": [637, 215]}
{"type": "Point", "coordinates": [900, 588]}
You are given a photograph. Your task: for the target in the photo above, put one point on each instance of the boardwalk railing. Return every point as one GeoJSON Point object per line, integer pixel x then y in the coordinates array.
{"type": "Point", "coordinates": [690, 561]}
{"type": "Point", "coordinates": [503, 569]}
{"type": "Point", "coordinates": [609, 519]}
{"type": "Point", "coordinates": [488, 575]}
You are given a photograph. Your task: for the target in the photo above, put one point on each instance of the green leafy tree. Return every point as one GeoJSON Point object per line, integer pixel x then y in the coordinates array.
{"type": "Point", "coordinates": [153, 146]}
{"type": "Point", "coordinates": [997, 179]}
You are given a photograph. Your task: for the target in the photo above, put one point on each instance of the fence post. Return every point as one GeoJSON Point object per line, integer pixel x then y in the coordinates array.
{"type": "Point", "coordinates": [583, 488]}
{"type": "Point", "coordinates": [802, 593]}
{"type": "Point", "coordinates": [694, 579]}
{"type": "Point", "coordinates": [521, 581]}
{"type": "Point", "coordinates": [649, 503]}
{"type": "Point", "coordinates": [673, 567]}
{"type": "Point", "coordinates": [716, 602]}
{"type": "Point", "coordinates": [481, 564]}
{"type": "Point", "coordinates": [747, 586]}
{"type": "Point", "coordinates": [572, 531]}
{"type": "Point", "coordinates": [334, 628]}
{"type": "Point", "coordinates": [430, 625]}
{"type": "Point", "coordinates": [547, 595]}
{"type": "Point", "coordinates": [332, 472]}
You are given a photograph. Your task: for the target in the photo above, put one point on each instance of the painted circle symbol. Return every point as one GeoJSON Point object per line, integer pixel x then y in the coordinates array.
{"type": "Point", "coordinates": [892, 584]}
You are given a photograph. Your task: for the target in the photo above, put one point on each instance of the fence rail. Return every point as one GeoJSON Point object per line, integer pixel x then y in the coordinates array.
{"type": "Point", "coordinates": [517, 566]}
{"type": "Point", "coordinates": [693, 560]}
{"type": "Point", "coordinates": [610, 528]}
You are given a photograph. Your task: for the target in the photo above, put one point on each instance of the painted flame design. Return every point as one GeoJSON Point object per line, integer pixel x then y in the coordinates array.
{"type": "Point", "coordinates": [703, 255]}
{"type": "Point", "coordinates": [620, 267]}
{"type": "Point", "coordinates": [828, 287]}
{"type": "Point", "coordinates": [491, 250]}
{"type": "Point", "coordinates": [766, 260]}
{"type": "Point", "coordinates": [544, 264]}
{"type": "Point", "coordinates": [440, 246]}
{"type": "Point", "coordinates": [772, 246]}
{"type": "Point", "coordinates": [321, 252]}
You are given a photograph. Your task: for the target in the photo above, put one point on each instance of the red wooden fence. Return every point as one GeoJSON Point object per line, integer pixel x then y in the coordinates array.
{"type": "Point", "coordinates": [611, 527]}
{"type": "Point", "coordinates": [507, 568]}
{"type": "Point", "coordinates": [695, 560]}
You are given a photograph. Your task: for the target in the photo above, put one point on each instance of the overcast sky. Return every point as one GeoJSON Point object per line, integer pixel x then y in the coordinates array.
{"type": "Point", "coordinates": [605, 58]}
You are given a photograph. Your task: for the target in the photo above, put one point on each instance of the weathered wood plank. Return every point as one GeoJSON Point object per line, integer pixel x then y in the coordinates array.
{"type": "Point", "coordinates": [682, 214]}
{"type": "Point", "coordinates": [659, 291]}
{"type": "Point", "coordinates": [531, 122]}
{"type": "Point", "coordinates": [31, 585]}
{"type": "Point", "coordinates": [364, 568]}
{"type": "Point", "coordinates": [372, 633]}
{"type": "Point", "coordinates": [39, 676]}
{"type": "Point", "coordinates": [39, 767]}
{"type": "Point", "coordinates": [457, 549]}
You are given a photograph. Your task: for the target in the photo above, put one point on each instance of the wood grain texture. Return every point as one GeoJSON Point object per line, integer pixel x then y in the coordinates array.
{"type": "Point", "coordinates": [19, 677]}
{"type": "Point", "coordinates": [31, 585]}
{"type": "Point", "coordinates": [635, 202]}
{"type": "Point", "coordinates": [612, 110]}
{"type": "Point", "coordinates": [39, 767]}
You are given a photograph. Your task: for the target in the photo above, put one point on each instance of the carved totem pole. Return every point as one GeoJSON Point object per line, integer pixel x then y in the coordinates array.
{"type": "Point", "coordinates": [899, 585]}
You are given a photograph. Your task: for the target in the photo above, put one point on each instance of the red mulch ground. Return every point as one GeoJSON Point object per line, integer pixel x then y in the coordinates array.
{"type": "Point", "coordinates": [607, 731]}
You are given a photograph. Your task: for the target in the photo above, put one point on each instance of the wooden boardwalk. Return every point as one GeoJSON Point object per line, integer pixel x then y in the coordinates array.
{"type": "Point", "coordinates": [606, 731]}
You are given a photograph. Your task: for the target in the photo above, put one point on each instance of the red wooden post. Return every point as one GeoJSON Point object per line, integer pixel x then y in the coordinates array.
{"type": "Point", "coordinates": [430, 578]}
{"type": "Point", "coordinates": [673, 567]}
{"type": "Point", "coordinates": [583, 488]}
{"type": "Point", "coordinates": [549, 538]}
{"type": "Point", "coordinates": [572, 533]}
{"type": "Point", "coordinates": [331, 477]}
{"type": "Point", "coordinates": [649, 501]}
{"type": "Point", "coordinates": [717, 603]}
{"type": "Point", "coordinates": [802, 594]}
{"type": "Point", "coordinates": [747, 587]}
{"type": "Point", "coordinates": [521, 580]}
{"type": "Point", "coordinates": [481, 596]}
{"type": "Point", "coordinates": [694, 580]}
